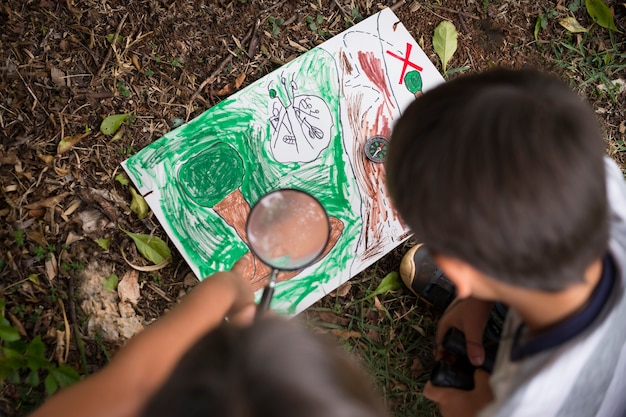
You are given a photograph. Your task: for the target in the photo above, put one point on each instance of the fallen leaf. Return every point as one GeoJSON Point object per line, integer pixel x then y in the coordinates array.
{"type": "Point", "coordinates": [601, 14]}
{"type": "Point", "coordinates": [58, 76]}
{"type": "Point", "coordinates": [138, 205]}
{"type": "Point", "coordinates": [239, 80]}
{"type": "Point", "coordinates": [190, 280]}
{"type": "Point", "coordinates": [112, 123]}
{"type": "Point", "coordinates": [104, 243]}
{"type": "Point", "coordinates": [345, 334]}
{"type": "Point", "coordinates": [110, 283]}
{"type": "Point", "coordinates": [128, 287]}
{"type": "Point", "coordinates": [122, 178]}
{"type": "Point", "coordinates": [151, 247]}
{"type": "Point", "coordinates": [344, 289]}
{"type": "Point", "coordinates": [135, 62]}
{"type": "Point", "coordinates": [391, 282]}
{"type": "Point", "coordinates": [226, 90]}
{"type": "Point", "coordinates": [445, 42]}
{"type": "Point", "coordinates": [571, 24]}
{"type": "Point", "coordinates": [69, 142]}
{"type": "Point", "coordinates": [48, 159]}
{"type": "Point", "coordinates": [47, 202]}
{"type": "Point", "coordinates": [51, 267]}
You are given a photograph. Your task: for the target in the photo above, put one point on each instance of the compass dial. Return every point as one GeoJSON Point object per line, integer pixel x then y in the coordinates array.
{"type": "Point", "coordinates": [376, 148]}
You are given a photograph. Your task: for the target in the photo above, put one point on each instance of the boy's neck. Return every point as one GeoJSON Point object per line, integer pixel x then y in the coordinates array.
{"type": "Point", "coordinates": [540, 310]}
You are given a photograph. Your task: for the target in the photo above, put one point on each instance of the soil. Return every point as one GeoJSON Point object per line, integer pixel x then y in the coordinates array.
{"type": "Point", "coordinates": [62, 73]}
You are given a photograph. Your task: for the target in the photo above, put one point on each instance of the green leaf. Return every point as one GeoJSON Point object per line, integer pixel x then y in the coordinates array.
{"type": "Point", "coordinates": [110, 283]}
{"type": "Point", "coordinates": [391, 282]}
{"type": "Point", "coordinates": [138, 205]}
{"type": "Point", "coordinates": [122, 178]}
{"type": "Point", "coordinates": [601, 14]}
{"type": "Point", "coordinates": [571, 24]}
{"type": "Point", "coordinates": [104, 243]}
{"type": "Point", "coordinates": [33, 378]}
{"type": "Point", "coordinates": [445, 42]}
{"type": "Point", "coordinates": [34, 278]}
{"type": "Point", "coordinates": [109, 37]}
{"type": "Point", "coordinates": [51, 384]}
{"type": "Point", "coordinates": [64, 375]}
{"type": "Point", "coordinates": [111, 123]}
{"type": "Point", "coordinates": [538, 24]}
{"type": "Point", "coordinates": [9, 333]}
{"type": "Point", "coordinates": [150, 247]}
{"type": "Point", "coordinates": [36, 347]}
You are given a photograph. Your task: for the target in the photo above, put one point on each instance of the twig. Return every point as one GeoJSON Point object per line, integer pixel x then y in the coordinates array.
{"type": "Point", "coordinates": [67, 331]}
{"type": "Point", "coordinates": [397, 5]}
{"type": "Point", "coordinates": [79, 341]}
{"type": "Point", "coordinates": [344, 11]}
{"type": "Point", "coordinates": [462, 21]}
{"type": "Point", "coordinates": [110, 51]}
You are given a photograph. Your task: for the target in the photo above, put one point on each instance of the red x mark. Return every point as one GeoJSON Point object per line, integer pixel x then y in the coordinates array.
{"type": "Point", "coordinates": [406, 61]}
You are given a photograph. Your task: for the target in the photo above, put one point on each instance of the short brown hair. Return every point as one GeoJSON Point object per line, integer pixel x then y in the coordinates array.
{"type": "Point", "coordinates": [504, 170]}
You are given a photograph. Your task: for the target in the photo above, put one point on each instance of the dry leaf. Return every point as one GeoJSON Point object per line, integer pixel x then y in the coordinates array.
{"type": "Point", "coordinates": [190, 280]}
{"type": "Point", "coordinates": [37, 237]}
{"type": "Point", "coordinates": [51, 267]}
{"type": "Point", "coordinates": [622, 127]}
{"type": "Point", "coordinates": [48, 159]}
{"type": "Point", "coordinates": [240, 79]}
{"type": "Point", "coordinates": [69, 142]}
{"type": "Point", "coordinates": [58, 77]}
{"type": "Point", "coordinates": [419, 330]}
{"type": "Point", "coordinates": [344, 289]}
{"type": "Point", "coordinates": [47, 202]}
{"type": "Point", "coordinates": [128, 287]}
{"type": "Point", "coordinates": [135, 62]}
{"type": "Point", "coordinates": [72, 237]}
{"type": "Point", "coordinates": [226, 90]}
{"type": "Point", "coordinates": [328, 317]}
{"type": "Point", "coordinates": [345, 334]}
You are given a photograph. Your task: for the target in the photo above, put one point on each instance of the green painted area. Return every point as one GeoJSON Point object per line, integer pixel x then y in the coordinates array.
{"type": "Point", "coordinates": [228, 148]}
{"type": "Point", "coordinates": [212, 174]}
{"type": "Point", "coordinates": [413, 81]}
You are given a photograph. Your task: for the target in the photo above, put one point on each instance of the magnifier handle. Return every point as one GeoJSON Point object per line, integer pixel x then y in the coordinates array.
{"type": "Point", "coordinates": [268, 293]}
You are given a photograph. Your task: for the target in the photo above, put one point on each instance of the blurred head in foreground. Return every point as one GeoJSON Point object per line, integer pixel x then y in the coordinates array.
{"type": "Point", "coordinates": [273, 368]}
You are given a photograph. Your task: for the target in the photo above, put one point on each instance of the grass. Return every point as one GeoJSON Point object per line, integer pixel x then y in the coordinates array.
{"type": "Point", "coordinates": [591, 63]}
{"type": "Point", "coordinates": [392, 334]}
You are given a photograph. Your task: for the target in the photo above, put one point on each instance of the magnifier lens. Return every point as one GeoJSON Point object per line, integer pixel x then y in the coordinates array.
{"type": "Point", "coordinates": [288, 229]}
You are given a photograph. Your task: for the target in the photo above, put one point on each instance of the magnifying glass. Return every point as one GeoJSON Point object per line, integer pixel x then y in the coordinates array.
{"type": "Point", "coordinates": [287, 230]}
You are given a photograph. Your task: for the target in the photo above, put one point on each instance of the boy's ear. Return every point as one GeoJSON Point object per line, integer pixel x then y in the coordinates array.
{"type": "Point", "coordinates": [459, 272]}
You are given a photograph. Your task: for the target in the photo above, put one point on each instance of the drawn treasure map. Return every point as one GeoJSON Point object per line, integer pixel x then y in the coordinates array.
{"type": "Point", "coordinates": [320, 123]}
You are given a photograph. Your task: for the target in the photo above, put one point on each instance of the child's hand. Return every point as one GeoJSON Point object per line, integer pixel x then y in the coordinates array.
{"type": "Point", "coordinates": [470, 316]}
{"type": "Point", "coordinates": [459, 403]}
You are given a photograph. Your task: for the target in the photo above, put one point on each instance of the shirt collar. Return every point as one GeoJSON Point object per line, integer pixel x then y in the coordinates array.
{"type": "Point", "coordinates": [573, 325]}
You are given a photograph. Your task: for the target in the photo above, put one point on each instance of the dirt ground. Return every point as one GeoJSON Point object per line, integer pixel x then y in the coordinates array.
{"type": "Point", "coordinates": [61, 74]}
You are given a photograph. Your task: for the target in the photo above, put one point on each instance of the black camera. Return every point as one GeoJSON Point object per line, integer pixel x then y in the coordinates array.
{"type": "Point", "coordinates": [455, 369]}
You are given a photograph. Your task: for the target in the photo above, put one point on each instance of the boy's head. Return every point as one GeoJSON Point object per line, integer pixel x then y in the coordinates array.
{"type": "Point", "coordinates": [504, 170]}
{"type": "Point", "coordinates": [272, 368]}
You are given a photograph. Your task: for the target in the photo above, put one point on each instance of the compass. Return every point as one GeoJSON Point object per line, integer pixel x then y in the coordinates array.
{"type": "Point", "coordinates": [376, 148]}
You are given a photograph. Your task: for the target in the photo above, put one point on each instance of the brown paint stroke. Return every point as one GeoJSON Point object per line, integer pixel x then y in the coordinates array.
{"type": "Point", "coordinates": [336, 229]}
{"type": "Point", "coordinates": [373, 68]}
{"type": "Point", "coordinates": [370, 176]}
{"type": "Point", "coordinates": [234, 209]}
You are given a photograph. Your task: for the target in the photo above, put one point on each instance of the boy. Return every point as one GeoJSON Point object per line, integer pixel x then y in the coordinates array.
{"type": "Point", "coordinates": [502, 176]}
